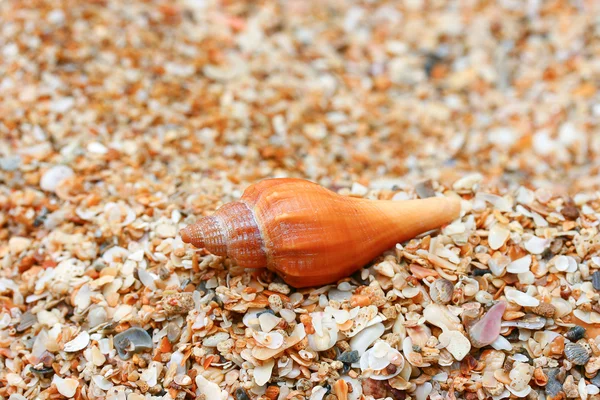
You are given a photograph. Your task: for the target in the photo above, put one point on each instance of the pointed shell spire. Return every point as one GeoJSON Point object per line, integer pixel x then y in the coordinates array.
{"type": "Point", "coordinates": [310, 235]}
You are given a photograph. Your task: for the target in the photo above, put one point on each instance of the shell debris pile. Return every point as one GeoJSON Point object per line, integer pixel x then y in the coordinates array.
{"type": "Point", "coordinates": [123, 122]}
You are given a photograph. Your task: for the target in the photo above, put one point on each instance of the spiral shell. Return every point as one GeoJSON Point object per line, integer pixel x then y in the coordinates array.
{"type": "Point", "coordinates": [310, 235]}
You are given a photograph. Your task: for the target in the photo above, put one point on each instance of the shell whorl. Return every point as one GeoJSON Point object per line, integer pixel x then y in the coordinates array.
{"type": "Point", "coordinates": [231, 232]}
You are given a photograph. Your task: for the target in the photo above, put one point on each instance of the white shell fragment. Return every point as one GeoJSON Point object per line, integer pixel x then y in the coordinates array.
{"type": "Point", "coordinates": [376, 360]}
{"type": "Point", "coordinates": [498, 236]}
{"type": "Point", "coordinates": [262, 373]}
{"type": "Point", "coordinates": [365, 338]}
{"type": "Point", "coordinates": [80, 342]}
{"type": "Point", "coordinates": [54, 176]}
{"type": "Point", "coordinates": [523, 299]}
{"type": "Point", "coordinates": [67, 387]}
{"type": "Point", "coordinates": [209, 389]}
{"type": "Point", "coordinates": [565, 264]}
{"type": "Point", "coordinates": [520, 265]}
{"type": "Point", "coordinates": [268, 321]}
{"type": "Point", "coordinates": [537, 245]}
{"type": "Point", "coordinates": [456, 343]}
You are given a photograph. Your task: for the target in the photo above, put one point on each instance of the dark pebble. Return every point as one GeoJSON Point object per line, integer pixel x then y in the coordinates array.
{"type": "Point", "coordinates": [570, 212]}
{"type": "Point", "coordinates": [596, 380]}
{"type": "Point", "coordinates": [346, 368]}
{"type": "Point", "coordinates": [480, 272]}
{"type": "Point", "coordinates": [240, 394]}
{"type": "Point", "coordinates": [43, 370]}
{"type": "Point", "coordinates": [596, 280]}
{"type": "Point", "coordinates": [41, 217]}
{"type": "Point", "coordinates": [575, 333]}
{"type": "Point", "coordinates": [430, 62]}
{"type": "Point", "coordinates": [349, 357]}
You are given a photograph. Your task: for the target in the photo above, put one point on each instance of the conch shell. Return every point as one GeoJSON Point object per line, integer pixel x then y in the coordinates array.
{"type": "Point", "coordinates": [310, 235]}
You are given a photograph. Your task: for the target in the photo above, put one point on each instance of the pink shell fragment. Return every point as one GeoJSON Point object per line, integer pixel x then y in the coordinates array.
{"type": "Point", "coordinates": [487, 329]}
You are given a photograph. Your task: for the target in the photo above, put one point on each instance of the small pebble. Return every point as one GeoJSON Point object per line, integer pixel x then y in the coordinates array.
{"type": "Point", "coordinates": [178, 303]}
{"type": "Point", "coordinates": [570, 212]}
{"type": "Point", "coordinates": [575, 333]}
{"type": "Point", "coordinates": [596, 280]}
{"type": "Point", "coordinates": [545, 310]}
{"type": "Point", "coordinates": [349, 357]}
{"type": "Point", "coordinates": [240, 394]}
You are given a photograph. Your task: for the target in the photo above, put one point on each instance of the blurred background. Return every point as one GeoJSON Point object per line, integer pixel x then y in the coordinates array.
{"type": "Point", "coordinates": [212, 94]}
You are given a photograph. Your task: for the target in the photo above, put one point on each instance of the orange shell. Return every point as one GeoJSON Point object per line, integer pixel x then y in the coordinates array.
{"type": "Point", "coordinates": [310, 235]}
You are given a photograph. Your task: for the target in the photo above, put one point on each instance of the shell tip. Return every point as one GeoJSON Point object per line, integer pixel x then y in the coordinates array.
{"type": "Point", "coordinates": [191, 234]}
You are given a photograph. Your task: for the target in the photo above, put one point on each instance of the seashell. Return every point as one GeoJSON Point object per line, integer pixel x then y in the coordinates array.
{"type": "Point", "coordinates": [456, 343]}
{"type": "Point", "coordinates": [80, 342]}
{"type": "Point", "coordinates": [419, 334]}
{"type": "Point", "coordinates": [565, 264]}
{"type": "Point", "coordinates": [423, 391]}
{"type": "Point", "coordinates": [211, 390]}
{"type": "Point", "coordinates": [487, 329]}
{"type": "Point", "coordinates": [67, 387]}
{"type": "Point", "coordinates": [523, 299]}
{"type": "Point", "coordinates": [326, 332]}
{"type": "Point", "coordinates": [354, 387]}
{"type": "Point", "coordinates": [536, 245]}
{"type": "Point", "coordinates": [271, 340]}
{"type": "Point", "coordinates": [577, 353]}
{"type": "Point", "coordinates": [501, 343]}
{"type": "Point", "coordinates": [318, 393]}
{"type": "Point", "coordinates": [575, 333]}
{"type": "Point", "coordinates": [262, 373]}
{"type": "Point", "coordinates": [441, 290]}
{"type": "Point", "coordinates": [102, 382]}
{"type": "Point", "coordinates": [265, 353]}
{"type": "Point", "coordinates": [441, 317]}
{"type": "Point", "coordinates": [378, 358]}
{"type": "Point", "coordinates": [340, 388]}
{"type": "Point", "coordinates": [497, 236]}
{"type": "Point", "coordinates": [529, 321]}
{"type": "Point", "coordinates": [414, 358]}
{"type": "Point", "coordinates": [268, 321]}
{"type": "Point", "coordinates": [133, 340]}
{"type": "Point", "coordinates": [520, 265]}
{"type": "Point", "coordinates": [54, 176]}
{"type": "Point", "coordinates": [366, 337]}
{"type": "Point", "coordinates": [520, 375]}
{"type": "Point", "coordinates": [310, 235]}
{"type": "Point", "coordinates": [446, 358]}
